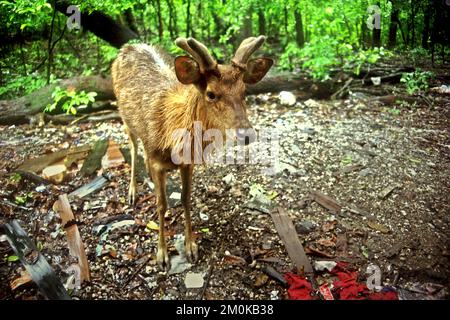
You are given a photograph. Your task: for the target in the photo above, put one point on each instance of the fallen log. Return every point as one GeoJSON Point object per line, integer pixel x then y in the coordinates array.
{"type": "Point", "coordinates": [21, 110]}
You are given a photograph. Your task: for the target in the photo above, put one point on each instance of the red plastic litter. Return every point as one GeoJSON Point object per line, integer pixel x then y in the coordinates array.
{"type": "Point", "coordinates": [326, 292]}
{"type": "Point", "coordinates": [299, 288]}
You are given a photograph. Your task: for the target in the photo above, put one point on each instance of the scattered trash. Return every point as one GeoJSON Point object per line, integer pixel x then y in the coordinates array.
{"type": "Point", "coordinates": [113, 156]}
{"type": "Point", "coordinates": [22, 280]}
{"type": "Point", "coordinates": [376, 80]}
{"type": "Point", "coordinates": [203, 216]}
{"type": "Point", "coordinates": [324, 265]}
{"type": "Point", "coordinates": [74, 242]}
{"type": "Point", "coordinates": [34, 262]}
{"type": "Point", "coordinates": [289, 236]}
{"type": "Point", "coordinates": [104, 230]}
{"type": "Point", "coordinates": [152, 225]}
{"type": "Point", "coordinates": [194, 280]}
{"type": "Point", "coordinates": [299, 287]}
{"type": "Point", "coordinates": [54, 173]}
{"type": "Point", "coordinates": [179, 263]}
{"type": "Point", "coordinates": [229, 179]}
{"type": "Point", "coordinates": [274, 274]}
{"type": "Point", "coordinates": [324, 289]}
{"type": "Point", "coordinates": [96, 184]}
{"type": "Point", "coordinates": [425, 291]}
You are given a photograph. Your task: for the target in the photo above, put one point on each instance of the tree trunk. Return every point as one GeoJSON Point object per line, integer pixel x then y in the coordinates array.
{"type": "Point", "coordinates": [392, 42]}
{"type": "Point", "coordinates": [426, 26]}
{"type": "Point", "coordinates": [188, 18]}
{"type": "Point", "coordinates": [131, 22]}
{"type": "Point", "coordinates": [299, 28]}
{"type": "Point", "coordinates": [173, 19]}
{"type": "Point", "coordinates": [261, 22]}
{"type": "Point", "coordinates": [102, 26]}
{"type": "Point", "coordinates": [160, 22]}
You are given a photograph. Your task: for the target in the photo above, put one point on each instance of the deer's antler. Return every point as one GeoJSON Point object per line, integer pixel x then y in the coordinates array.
{"type": "Point", "coordinates": [199, 52]}
{"type": "Point", "coordinates": [245, 50]}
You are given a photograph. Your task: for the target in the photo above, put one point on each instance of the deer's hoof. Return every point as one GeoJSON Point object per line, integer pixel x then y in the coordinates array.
{"type": "Point", "coordinates": [132, 195]}
{"type": "Point", "coordinates": [191, 251]}
{"type": "Point", "coordinates": [162, 258]}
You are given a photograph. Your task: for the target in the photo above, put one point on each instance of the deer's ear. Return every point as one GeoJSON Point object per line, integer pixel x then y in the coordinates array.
{"type": "Point", "coordinates": [257, 69]}
{"type": "Point", "coordinates": [187, 70]}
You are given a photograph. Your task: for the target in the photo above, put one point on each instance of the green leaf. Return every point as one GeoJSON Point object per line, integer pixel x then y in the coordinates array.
{"type": "Point", "coordinates": [13, 258]}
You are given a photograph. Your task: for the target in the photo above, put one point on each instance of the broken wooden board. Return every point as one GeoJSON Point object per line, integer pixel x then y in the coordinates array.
{"type": "Point", "coordinates": [75, 244]}
{"type": "Point", "coordinates": [55, 172]}
{"type": "Point", "coordinates": [22, 280]}
{"type": "Point", "coordinates": [93, 161]}
{"type": "Point", "coordinates": [327, 202]}
{"type": "Point", "coordinates": [38, 164]}
{"type": "Point", "coordinates": [289, 236]}
{"type": "Point", "coordinates": [113, 156]}
{"type": "Point", "coordinates": [96, 184]}
{"type": "Point", "coordinates": [34, 262]}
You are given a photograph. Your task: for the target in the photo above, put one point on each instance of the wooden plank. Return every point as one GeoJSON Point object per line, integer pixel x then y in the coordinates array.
{"type": "Point", "coordinates": [113, 156]}
{"type": "Point", "coordinates": [289, 236]}
{"type": "Point", "coordinates": [34, 262]}
{"type": "Point", "coordinates": [96, 184]}
{"type": "Point", "coordinates": [75, 244]}
{"type": "Point", "coordinates": [93, 161]}
{"type": "Point", "coordinates": [327, 202]}
{"type": "Point", "coordinates": [38, 164]}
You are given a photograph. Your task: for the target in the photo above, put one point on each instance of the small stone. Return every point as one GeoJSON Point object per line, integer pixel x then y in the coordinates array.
{"type": "Point", "coordinates": [305, 227]}
{"type": "Point", "coordinates": [287, 98]}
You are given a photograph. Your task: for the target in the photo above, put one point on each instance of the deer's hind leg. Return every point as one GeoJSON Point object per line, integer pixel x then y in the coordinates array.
{"type": "Point", "coordinates": [133, 151]}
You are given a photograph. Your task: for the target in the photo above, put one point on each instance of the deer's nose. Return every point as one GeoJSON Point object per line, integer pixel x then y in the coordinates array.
{"type": "Point", "coordinates": [247, 135]}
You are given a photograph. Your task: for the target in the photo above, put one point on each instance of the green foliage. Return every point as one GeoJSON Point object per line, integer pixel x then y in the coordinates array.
{"type": "Point", "coordinates": [22, 85]}
{"type": "Point", "coordinates": [416, 81]}
{"type": "Point", "coordinates": [23, 198]}
{"type": "Point", "coordinates": [12, 258]}
{"type": "Point", "coordinates": [69, 100]}
{"type": "Point", "coordinates": [334, 32]}
{"type": "Point", "coordinates": [15, 177]}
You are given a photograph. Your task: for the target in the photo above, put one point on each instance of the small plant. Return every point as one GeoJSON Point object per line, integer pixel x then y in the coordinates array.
{"type": "Point", "coordinates": [23, 198]}
{"type": "Point", "coordinates": [70, 99]}
{"type": "Point", "coordinates": [416, 81]}
{"type": "Point", "coordinates": [15, 177]}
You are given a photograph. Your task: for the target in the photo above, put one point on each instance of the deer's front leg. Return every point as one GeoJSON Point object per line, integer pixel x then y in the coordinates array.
{"type": "Point", "coordinates": [186, 181]}
{"type": "Point", "coordinates": [133, 150]}
{"type": "Point", "coordinates": [159, 179]}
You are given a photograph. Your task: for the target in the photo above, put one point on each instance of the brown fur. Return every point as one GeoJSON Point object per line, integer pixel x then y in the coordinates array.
{"type": "Point", "coordinates": [153, 103]}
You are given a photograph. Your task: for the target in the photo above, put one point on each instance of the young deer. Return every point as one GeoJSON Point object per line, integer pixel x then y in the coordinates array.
{"type": "Point", "coordinates": [155, 99]}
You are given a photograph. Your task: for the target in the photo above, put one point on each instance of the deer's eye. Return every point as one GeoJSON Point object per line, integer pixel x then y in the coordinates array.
{"type": "Point", "coordinates": [211, 96]}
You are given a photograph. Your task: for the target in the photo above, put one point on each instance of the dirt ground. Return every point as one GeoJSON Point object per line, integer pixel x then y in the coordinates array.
{"type": "Point", "coordinates": [388, 167]}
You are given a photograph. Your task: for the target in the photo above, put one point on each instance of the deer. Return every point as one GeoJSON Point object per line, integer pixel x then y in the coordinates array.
{"type": "Point", "coordinates": [157, 95]}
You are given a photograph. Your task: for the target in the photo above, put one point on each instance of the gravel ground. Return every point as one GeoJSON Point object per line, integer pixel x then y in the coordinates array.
{"type": "Point", "coordinates": [388, 169]}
